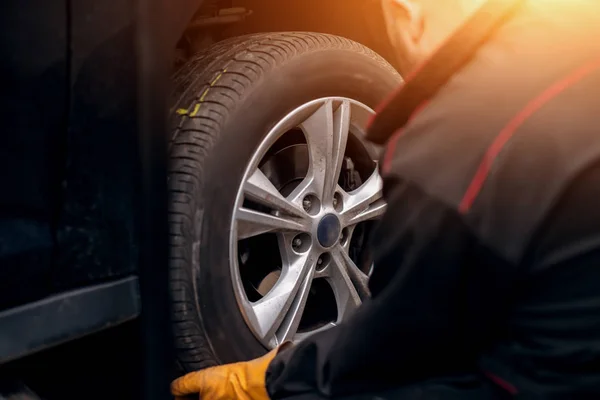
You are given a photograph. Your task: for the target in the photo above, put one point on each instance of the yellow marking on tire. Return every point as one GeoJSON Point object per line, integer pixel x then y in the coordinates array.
{"type": "Point", "coordinates": [218, 77]}
{"type": "Point", "coordinates": [196, 109]}
{"type": "Point", "coordinates": [182, 111]}
{"type": "Point", "coordinates": [204, 95]}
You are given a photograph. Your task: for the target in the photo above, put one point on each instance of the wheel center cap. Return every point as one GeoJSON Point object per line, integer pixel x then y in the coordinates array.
{"type": "Point", "coordinates": [328, 231]}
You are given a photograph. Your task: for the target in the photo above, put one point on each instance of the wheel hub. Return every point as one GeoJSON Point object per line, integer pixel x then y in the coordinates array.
{"type": "Point", "coordinates": [329, 230]}
{"type": "Point", "coordinates": [311, 215]}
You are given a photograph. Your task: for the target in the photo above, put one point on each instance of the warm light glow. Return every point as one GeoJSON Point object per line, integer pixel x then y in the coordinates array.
{"type": "Point", "coordinates": [593, 6]}
{"type": "Point", "coordinates": [589, 7]}
{"type": "Point", "coordinates": [564, 3]}
{"type": "Point", "coordinates": [549, 3]}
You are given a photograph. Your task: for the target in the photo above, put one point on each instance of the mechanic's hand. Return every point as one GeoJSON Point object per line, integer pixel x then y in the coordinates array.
{"type": "Point", "coordinates": [242, 380]}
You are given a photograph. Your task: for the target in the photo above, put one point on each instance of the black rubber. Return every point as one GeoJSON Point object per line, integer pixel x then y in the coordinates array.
{"type": "Point", "coordinates": [226, 99]}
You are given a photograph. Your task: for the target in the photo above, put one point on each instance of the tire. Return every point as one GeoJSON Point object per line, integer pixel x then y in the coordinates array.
{"type": "Point", "coordinates": [225, 100]}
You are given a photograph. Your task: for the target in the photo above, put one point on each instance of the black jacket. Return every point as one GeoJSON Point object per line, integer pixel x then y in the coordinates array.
{"type": "Point", "coordinates": [488, 258]}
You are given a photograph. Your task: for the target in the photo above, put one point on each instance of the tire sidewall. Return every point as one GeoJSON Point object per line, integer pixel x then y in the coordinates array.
{"type": "Point", "coordinates": [309, 76]}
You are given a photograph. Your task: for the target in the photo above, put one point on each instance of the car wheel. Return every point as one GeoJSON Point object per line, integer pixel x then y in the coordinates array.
{"type": "Point", "coordinates": [273, 191]}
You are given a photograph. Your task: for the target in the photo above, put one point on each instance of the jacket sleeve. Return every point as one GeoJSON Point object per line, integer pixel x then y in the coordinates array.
{"type": "Point", "coordinates": [434, 296]}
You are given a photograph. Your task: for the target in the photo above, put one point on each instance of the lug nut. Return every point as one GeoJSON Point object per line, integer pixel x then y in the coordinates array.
{"type": "Point", "coordinates": [344, 237]}
{"type": "Point", "coordinates": [323, 261]}
{"type": "Point", "coordinates": [337, 201]}
{"type": "Point", "coordinates": [307, 204]}
{"type": "Point", "coordinates": [301, 243]}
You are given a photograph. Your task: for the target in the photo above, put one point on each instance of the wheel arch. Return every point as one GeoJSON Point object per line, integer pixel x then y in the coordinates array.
{"type": "Point", "coordinates": [354, 19]}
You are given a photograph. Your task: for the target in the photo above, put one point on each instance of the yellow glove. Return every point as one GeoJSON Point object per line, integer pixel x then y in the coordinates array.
{"type": "Point", "coordinates": [239, 381]}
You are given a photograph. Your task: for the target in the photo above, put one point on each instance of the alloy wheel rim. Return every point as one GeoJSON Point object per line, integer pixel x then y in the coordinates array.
{"type": "Point", "coordinates": [313, 223]}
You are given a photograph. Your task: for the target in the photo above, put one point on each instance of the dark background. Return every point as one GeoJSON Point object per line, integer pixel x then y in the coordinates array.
{"type": "Point", "coordinates": [68, 147]}
{"type": "Point", "coordinates": [70, 180]}
{"type": "Point", "coordinates": [106, 365]}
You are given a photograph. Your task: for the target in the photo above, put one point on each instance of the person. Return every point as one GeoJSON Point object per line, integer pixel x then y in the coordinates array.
{"type": "Point", "coordinates": [487, 262]}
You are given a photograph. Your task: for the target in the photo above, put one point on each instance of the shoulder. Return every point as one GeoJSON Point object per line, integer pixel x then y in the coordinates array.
{"type": "Point", "coordinates": [503, 139]}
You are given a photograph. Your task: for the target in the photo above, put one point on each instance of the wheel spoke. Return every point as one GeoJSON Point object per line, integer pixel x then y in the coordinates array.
{"type": "Point", "coordinates": [253, 223]}
{"type": "Point", "coordinates": [374, 211]}
{"type": "Point", "coordinates": [359, 279]}
{"type": "Point", "coordinates": [350, 285]}
{"type": "Point", "coordinates": [291, 322]}
{"type": "Point", "coordinates": [364, 203]}
{"type": "Point", "coordinates": [303, 335]}
{"type": "Point", "coordinates": [260, 189]}
{"type": "Point", "coordinates": [326, 132]}
{"type": "Point", "coordinates": [278, 314]}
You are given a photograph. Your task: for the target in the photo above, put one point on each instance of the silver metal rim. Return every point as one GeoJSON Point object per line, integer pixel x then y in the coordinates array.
{"type": "Point", "coordinates": [307, 252]}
